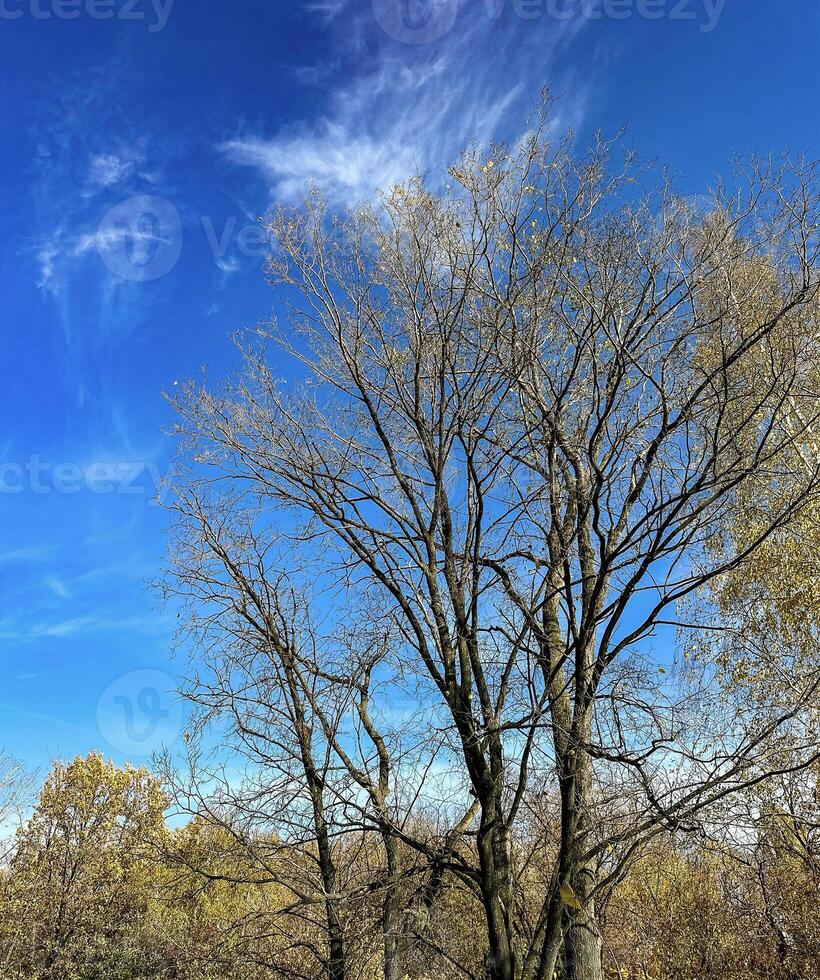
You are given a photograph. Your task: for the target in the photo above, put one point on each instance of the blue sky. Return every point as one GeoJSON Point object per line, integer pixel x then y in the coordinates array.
{"type": "Point", "coordinates": [141, 140]}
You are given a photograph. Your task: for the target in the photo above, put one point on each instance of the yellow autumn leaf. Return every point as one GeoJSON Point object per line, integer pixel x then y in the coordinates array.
{"type": "Point", "coordinates": [568, 897]}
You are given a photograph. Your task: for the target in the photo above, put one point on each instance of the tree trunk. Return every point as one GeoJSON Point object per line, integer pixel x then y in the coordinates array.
{"type": "Point", "coordinates": [327, 869]}
{"type": "Point", "coordinates": [392, 918]}
{"type": "Point", "coordinates": [496, 888]}
{"type": "Point", "coordinates": [336, 948]}
{"type": "Point", "coordinates": [582, 946]}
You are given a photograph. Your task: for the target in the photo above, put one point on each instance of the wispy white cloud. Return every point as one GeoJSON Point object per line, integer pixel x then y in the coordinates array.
{"type": "Point", "coordinates": [26, 631]}
{"type": "Point", "coordinates": [325, 8]}
{"type": "Point", "coordinates": [107, 169]}
{"type": "Point", "coordinates": [49, 253]}
{"type": "Point", "coordinates": [57, 587]}
{"type": "Point", "coordinates": [413, 107]}
{"type": "Point", "coordinates": [39, 716]}
{"type": "Point", "coordinates": [33, 555]}
{"type": "Point", "coordinates": [92, 158]}
{"type": "Point", "coordinates": [330, 155]}
{"type": "Point", "coordinates": [105, 239]}
{"type": "Point", "coordinates": [59, 254]}
{"type": "Point", "coordinates": [228, 265]}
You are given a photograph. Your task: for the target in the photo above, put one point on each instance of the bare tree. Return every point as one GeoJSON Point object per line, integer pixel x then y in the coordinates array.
{"type": "Point", "coordinates": [287, 686]}
{"type": "Point", "coordinates": [252, 689]}
{"type": "Point", "coordinates": [520, 416]}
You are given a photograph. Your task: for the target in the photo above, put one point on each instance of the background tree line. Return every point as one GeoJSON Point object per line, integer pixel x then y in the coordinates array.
{"type": "Point", "coordinates": [99, 886]}
{"type": "Point", "coordinates": [496, 567]}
